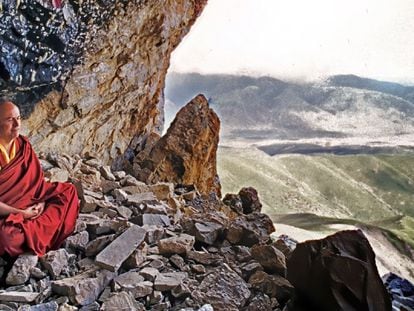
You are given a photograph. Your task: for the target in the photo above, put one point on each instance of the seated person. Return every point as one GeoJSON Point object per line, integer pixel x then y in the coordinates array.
{"type": "Point", "coordinates": [35, 215]}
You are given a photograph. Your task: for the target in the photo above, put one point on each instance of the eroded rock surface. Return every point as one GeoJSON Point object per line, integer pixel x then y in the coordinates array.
{"type": "Point", "coordinates": [92, 72]}
{"type": "Point", "coordinates": [186, 154]}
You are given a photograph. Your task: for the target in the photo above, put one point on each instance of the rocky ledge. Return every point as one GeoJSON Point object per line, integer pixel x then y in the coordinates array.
{"type": "Point", "coordinates": [164, 246]}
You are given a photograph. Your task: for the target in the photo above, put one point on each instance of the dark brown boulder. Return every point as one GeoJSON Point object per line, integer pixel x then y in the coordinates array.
{"type": "Point", "coordinates": [274, 286]}
{"type": "Point", "coordinates": [271, 259]}
{"type": "Point", "coordinates": [250, 229]}
{"type": "Point", "coordinates": [234, 201]}
{"type": "Point", "coordinates": [250, 200]}
{"type": "Point", "coordinates": [186, 154]}
{"type": "Point", "coordinates": [224, 289]}
{"type": "Point", "coordinates": [338, 273]}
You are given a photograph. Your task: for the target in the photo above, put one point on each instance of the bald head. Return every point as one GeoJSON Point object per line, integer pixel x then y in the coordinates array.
{"type": "Point", "coordinates": [9, 122]}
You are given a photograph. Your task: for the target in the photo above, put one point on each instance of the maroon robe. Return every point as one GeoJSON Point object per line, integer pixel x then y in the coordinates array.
{"type": "Point", "coordinates": [22, 184]}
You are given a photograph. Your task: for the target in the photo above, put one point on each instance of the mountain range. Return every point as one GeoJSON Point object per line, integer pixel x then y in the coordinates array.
{"type": "Point", "coordinates": [341, 110]}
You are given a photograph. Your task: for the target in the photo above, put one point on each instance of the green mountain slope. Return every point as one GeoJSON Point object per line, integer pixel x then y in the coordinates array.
{"type": "Point", "coordinates": [363, 187]}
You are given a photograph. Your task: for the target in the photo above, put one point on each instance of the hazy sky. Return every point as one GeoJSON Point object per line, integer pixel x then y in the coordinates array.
{"type": "Point", "coordinates": [302, 39]}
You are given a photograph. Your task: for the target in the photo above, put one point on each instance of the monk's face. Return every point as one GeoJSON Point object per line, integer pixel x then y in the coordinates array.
{"type": "Point", "coordinates": [9, 122]}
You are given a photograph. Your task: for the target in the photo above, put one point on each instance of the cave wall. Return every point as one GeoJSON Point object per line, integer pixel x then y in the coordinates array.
{"type": "Point", "coordinates": [113, 91]}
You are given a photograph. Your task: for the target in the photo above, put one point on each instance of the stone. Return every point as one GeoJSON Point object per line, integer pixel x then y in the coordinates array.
{"type": "Point", "coordinates": [4, 307]}
{"type": "Point", "coordinates": [87, 264]}
{"type": "Point", "coordinates": [274, 286]}
{"type": "Point", "coordinates": [285, 244]}
{"type": "Point", "coordinates": [207, 232]}
{"type": "Point", "coordinates": [154, 234]}
{"type": "Point", "coordinates": [137, 187]}
{"type": "Point", "coordinates": [88, 204]}
{"type": "Point", "coordinates": [250, 200]}
{"type": "Point", "coordinates": [18, 296]}
{"type": "Point", "coordinates": [185, 288]}
{"type": "Point", "coordinates": [163, 191]}
{"type": "Point", "coordinates": [259, 302]}
{"type": "Point", "coordinates": [133, 282]}
{"type": "Point", "coordinates": [138, 198]}
{"type": "Point", "coordinates": [121, 301]}
{"type": "Point", "coordinates": [106, 173]}
{"type": "Point", "coordinates": [20, 272]}
{"type": "Point", "coordinates": [130, 180]}
{"type": "Point", "coordinates": [347, 277]}
{"type": "Point", "coordinates": [108, 186]}
{"type": "Point", "coordinates": [272, 259]}
{"type": "Point", "coordinates": [178, 261]}
{"type": "Point", "coordinates": [57, 175]}
{"type": "Point", "coordinates": [111, 213]}
{"type": "Point", "coordinates": [167, 281]}
{"type": "Point", "coordinates": [119, 175]}
{"type": "Point", "coordinates": [120, 195]}
{"type": "Point", "coordinates": [186, 154]}
{"type": "Point", "coordinates": [98, 244]}
{"type": "Point", "coordinates": [49, 306]}
{"type": "Point", "coordinates": [224, 289]}
{"type": "Point", "coordinates": [234, 201]}
{"type": "Point", "coordinates": [84, 288]}
{"type": "Point", "coordinates": [206, 307]}
{"type": "Point", "coordinates": [55, 261]}
{"type": "Point", "coordinates": [156, 297]}
{"type": "Point", "coordinates": [104, 226]}
{"type": "Point", "coordinates": [149, 273]}
{"type": "Point", "coordinates": [157, 208]}
{"type": "Point", "coordinates": [127, 279]}
{"type": "Point", "coordinates": [91, 307]}
{"type": "Point", "coordinates": [118, 251]}
{"type": "Point", "coordinates": [124, 212]}
{"type": "Point", "coordinates": [37, 273]}
{"type": "Point", "coordinates": [136, 259]}
{"type": "Point", "coordinates": [67, 307]}
{"type": "Point", "coordinates": [250, 229]}
{"type": "Point", "coordinates": [205, 258]}
{"type": "Point", "coordinates": [78, 240]}
{"type": "Point", "coordinates": [46, 165]}
{"type": "Point", "coordinates": [163, 306]}
{"type": "Point", "coordinates": [176, 245]}
{"type": "Point", "coordinates": [198, 269]}
{"type": "Point", "coordinates": [151, 220]}
{"type": "Point", "coordinates": [250, 268]}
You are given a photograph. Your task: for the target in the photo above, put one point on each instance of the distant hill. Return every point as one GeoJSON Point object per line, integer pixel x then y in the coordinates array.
{"type": "Point", "coordinates": [266, 108]}
{"type": "Point", "coordinates": [396, 89]}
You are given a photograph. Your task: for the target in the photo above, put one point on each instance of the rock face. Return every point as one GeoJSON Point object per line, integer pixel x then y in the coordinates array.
{"type": "Point", "coordinates": [92, 71]}
{"type": "Point", "coordinates": [338, 273]}
{"type": "Point", "coordinates": [186, 154]}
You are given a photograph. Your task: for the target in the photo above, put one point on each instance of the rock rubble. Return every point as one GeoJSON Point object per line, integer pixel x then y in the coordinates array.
{"type": "Point", "coordinates": [144, 247]}
{"type": "Point", "coordinates": [164, 246]}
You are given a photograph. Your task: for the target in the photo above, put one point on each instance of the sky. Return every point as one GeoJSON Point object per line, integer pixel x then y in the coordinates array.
{"type": "Point", "coordinates": [302, 39]}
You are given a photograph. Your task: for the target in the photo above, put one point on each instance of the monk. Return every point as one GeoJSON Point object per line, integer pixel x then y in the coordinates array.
{"type": "Point", "coordinates": [35, 216]}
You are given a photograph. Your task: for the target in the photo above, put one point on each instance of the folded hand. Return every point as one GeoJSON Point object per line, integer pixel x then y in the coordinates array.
{"type": "Point", "coordinates": [34, 211]}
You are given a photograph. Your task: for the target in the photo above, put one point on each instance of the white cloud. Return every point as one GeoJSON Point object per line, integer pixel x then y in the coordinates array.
{"type": "Point", "coordinates": [302, 38]}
